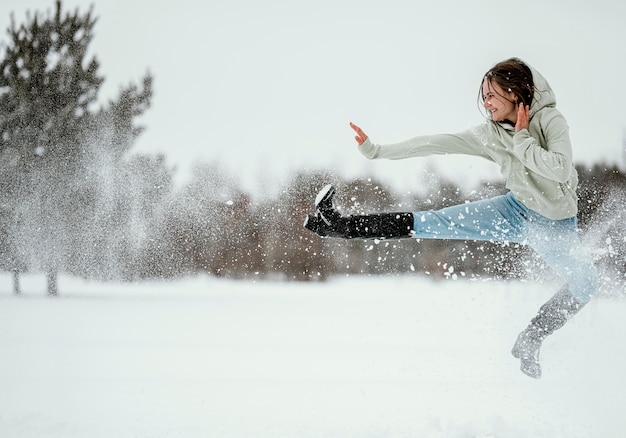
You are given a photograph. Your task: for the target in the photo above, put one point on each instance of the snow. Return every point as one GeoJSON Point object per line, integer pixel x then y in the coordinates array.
{"type": "Point", "coordinates": [353, 357]}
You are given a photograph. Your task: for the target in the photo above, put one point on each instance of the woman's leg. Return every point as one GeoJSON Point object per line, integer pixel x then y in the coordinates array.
{"type": "Point", "coordinates": [497, 219]}
{"type": "Point", "coordinates": [557, 243]}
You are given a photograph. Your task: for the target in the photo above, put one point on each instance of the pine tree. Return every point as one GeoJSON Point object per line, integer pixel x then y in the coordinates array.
{"type": "Point", "coordinates": [53, 136]}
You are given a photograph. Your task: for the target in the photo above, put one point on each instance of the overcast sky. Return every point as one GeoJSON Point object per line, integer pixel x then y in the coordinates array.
{"type": "Point", "coordinates": [268, 88]}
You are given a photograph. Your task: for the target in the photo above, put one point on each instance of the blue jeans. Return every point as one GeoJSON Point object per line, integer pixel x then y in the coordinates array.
{"type": "Point", "coordinates": [505, 219]}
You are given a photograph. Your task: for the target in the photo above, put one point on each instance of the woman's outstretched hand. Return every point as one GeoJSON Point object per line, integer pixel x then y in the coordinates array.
{"type": "Point", "coordinates": [360, 135]}
{"type": "Point", "coordinates": [523, 117]}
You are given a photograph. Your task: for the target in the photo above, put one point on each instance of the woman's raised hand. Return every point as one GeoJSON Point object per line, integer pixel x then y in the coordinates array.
{"type": "Point", "coordinates": [360, 135]}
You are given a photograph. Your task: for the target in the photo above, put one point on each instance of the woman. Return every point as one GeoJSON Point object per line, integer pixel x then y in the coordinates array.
{"type": "Point", "coordinates": [528, 138]}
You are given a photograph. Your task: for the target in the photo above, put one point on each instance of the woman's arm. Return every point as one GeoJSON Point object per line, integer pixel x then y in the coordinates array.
{"type": "Point", "coordinates": [466, 142]}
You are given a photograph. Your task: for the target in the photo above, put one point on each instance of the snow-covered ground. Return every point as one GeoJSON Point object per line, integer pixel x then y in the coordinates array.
{"type": "Point", "coordinates": [358, 357]}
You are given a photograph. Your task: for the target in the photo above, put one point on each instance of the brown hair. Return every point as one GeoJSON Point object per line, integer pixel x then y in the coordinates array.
{"type": "Point", "coordinates": [514, 76]}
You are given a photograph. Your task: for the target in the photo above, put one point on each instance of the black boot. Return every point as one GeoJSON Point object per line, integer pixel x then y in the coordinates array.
{"type": "Point", "coordinates": [328, 222]}
{"type": "Point", "coordinates": [552, 316]}
{"type": "Point", "coordinates": [324, 206]}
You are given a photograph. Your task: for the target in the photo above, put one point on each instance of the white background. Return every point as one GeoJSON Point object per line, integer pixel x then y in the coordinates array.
{"type": "Point", "coordinates": [268, 88]}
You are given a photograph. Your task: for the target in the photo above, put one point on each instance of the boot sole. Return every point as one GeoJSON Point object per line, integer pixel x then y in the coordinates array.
{"type": "Point", "coordinates": [327, 192]}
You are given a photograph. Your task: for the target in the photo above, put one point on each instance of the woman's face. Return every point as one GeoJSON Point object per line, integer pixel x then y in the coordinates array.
{"type": "Point", "coordinates": [500, 104]}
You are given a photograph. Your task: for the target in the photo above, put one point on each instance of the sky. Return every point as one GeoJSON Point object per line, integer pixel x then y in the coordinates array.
{"type": "Point", "coordinates": [268, 88]}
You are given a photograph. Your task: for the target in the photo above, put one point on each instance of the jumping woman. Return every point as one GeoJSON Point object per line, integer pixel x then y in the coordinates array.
{"type": "Point", "coordinates": [529, 139]}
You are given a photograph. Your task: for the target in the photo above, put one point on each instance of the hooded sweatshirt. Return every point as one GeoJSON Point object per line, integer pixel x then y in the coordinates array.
{"type": "Point", "coordinates": [536, 162]}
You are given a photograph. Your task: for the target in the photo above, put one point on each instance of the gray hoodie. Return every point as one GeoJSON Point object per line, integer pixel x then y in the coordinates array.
{"type": "Point", "coordinates": [535, 162]}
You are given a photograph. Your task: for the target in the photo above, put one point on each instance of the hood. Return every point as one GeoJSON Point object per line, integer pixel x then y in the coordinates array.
{"type": "Point", "coordinates": [544, 96]}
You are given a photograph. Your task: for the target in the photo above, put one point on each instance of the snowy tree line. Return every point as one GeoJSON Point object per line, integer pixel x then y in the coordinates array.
{"type": "Point", "coordinates": [75, 200]}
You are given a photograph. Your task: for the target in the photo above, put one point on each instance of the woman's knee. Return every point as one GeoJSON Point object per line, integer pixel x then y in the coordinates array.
{"type": "Point", "coordinates": [584, 283]}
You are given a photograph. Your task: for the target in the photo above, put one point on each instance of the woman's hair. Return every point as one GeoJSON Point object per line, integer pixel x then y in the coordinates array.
{"type": "Point", "coordinates": [514, 76]}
